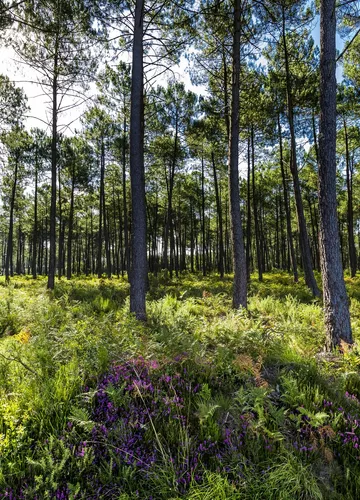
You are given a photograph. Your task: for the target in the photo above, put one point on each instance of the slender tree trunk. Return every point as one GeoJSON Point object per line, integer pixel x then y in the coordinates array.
{"type": "Point", "coordinates": [70, 228]}
{"type": "Point", "coordinates": [282, 231]}
{"type": "Point", "coordinates": [35, 227]}
{"type": "Point", "coordinates": [259, 253]}
{"type": "Point", "coordinates": [116, 251]}
{"type": "Point", "coordinates": [9, 250]}
{"type": "Point", "coordinates": [92, 241]}
{"type": "Point", "coordinates": [315, 235]}
{"type": "Point", "coordinates": [337, 317]}
{"type": "Point", "coordinates": [41, 249]}
{"type": "Point", "coordinates": [54, 141]}
{"type": "Point", "coordinates": [18, 251]}
{"type": "Point", "coordinates": [315, 138]}
{"type": "Point", "coordinates": [154, 242]}
{"type": "Point", "coordinates": [101, 216]}
{"type": "Point", "coordinates": [239, 259]}
{"type": "Point", "coordinates": [350, 208]}
{"type": "Point", "coordinates": [122, 263]}
{"type": "Point", "coordinates": [169, 229]}
{"type": "Point", "coordinates": [277, 232]}
{"type": "Point", "coordinates": [220, 220]}
{"type": "Point", "coordinates": [87, 244]}
{"type": "Point", "coordinates": [105, 216]}
{"type": "Point", "coordinates": [226, 93]}
{"type": "Point", "coordinates": [3, 253]}
{"type": "Point", "coordinates": [203, 213]}
{"type": "Point", "coordinates": [125, 210]}
{"type": "Point", "coordinates": [61, 230]}
{"type": "Point", "coordinates": [303, 234]}
{"type": "Point", "coordinates": [138, 277]}
{"type": "Point", "coordinates": [287, 208]}
{"type": "Point", "coordinates": [192, 244]}
{"type": "Point", "coordinates": [248, 207]}
{"type": "Point", "coordinates": [183, 260]}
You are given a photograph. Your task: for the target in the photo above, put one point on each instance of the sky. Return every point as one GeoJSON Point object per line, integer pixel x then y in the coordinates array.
{"type": "Point", "coordinates": [39, 115]}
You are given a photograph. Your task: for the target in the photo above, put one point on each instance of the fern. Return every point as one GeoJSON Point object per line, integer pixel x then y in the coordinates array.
{"type": "Point", "coordinates": [81, 417]}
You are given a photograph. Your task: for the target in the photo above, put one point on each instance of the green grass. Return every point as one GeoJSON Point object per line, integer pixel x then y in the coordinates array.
{"type": "Point", "coordinates": [263, 364]}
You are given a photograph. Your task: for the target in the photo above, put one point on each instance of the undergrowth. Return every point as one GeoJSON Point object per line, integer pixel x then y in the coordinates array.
{"type": "Point", "coordinates": [200, 402]}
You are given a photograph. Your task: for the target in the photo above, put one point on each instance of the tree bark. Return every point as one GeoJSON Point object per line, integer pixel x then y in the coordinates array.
{"type": "Point", "coordinates": [105, 215]}
{"type": "Point", "coordinates": [125, 210]}
{"type": "Point", "coordinates": [336, 307]}
{"type": "Point", "coordinates": [35, 228]}
{"type": "Point", "coordinates": [248, 208]}
{"type": "Point", "coordinates": [71, 222]}
{"type": "Point", "coordinates": [350, 208]}
{"type": "Point", "coordinates": [203, 213]}
{"type": "Point", "coordinates": [287, 208]}
{"type": "Point", "coordinates": [315, 138]}
{"type": "Point", "coordinates": [61, 254]}
{"type": "Point", "coordinates": [9, 251]}
{"type": "Point", "coordinates": [101, 216]}
{"type": "Point", "coordinates": [239, 259]}
{"type": "Point", "coordinates": [52, 257]}
{"type": "Point", "coordinates": [138, 277]}
{"type": "Point", "coordinates": [169, 229]}
{"type": "Point", "coordinates": [259, 252]}
{"type": "Point", "coordinates": [220, 221]}
{"type": "Point", "coordinates": [303, 234]}
{"type": "Point", "coordinates": [226, 93]}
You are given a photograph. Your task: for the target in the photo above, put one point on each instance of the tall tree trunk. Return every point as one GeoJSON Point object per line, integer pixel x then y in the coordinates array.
{"type": "Point", "coordinates": [287, 208]}
{"type": "Point", "coordinates": [116, 249]}
{"type": "Point", "coordinates": [337, 317]}
{"type": "Point", "coordinates": [9, 251]}
{"type": "Point", "coordinates": [192, 243]}
{"type": "Point", "coordinates": [105, 215]}
{"type": "Point", "coordinates": [350, 208]}
{"type": "Point", "coordinates": [169, 227]}
{"type": "Point", "coordinates": [315, 235]}
{"type": "Point", "coordinates": [138, 277]}
{"type": "Point", "coordinates": [277, 232]}
{"type": "Point", "coordinates": [87, 246]}
{"type": "Point", "coordinates": [61, 231]}
{"type": "Point", "coordinates": [35, 227]}
{"type": "Point", "coordinates": [101, 217]}
{"type": "Point", "coordinates": [203, 213]}
{"type": "Point", "coordinates": [41, 249]}
{"type": "Point", "coordinates": [282, 231]}
{"type": "Point", "coordinates": [248, 208]}
{"type": "Point", "coordinates": [226, 93]}
{"type": "Point", "coordinates": [315, 138]}
{"type": "Point", "coordinates": [71, 222]}
{"type": "Point", "coordinates": [220, 221]}
{"type": "Point", "coordinates": [155, 232]}
{"type": "Point", "coordinates": [18, 250]}
{"type": "Point", "coordinates": [239, 259]}
{"type": "Point", "coordinates": [92, 241]}
{"type": "Point", "coordinates": [125, 209]}
{"type": "Point", "coordinates": [259, 253]}
{"type": "Point", "coordinates": [121, 241]}
{"type": "Point", "coordinates": [303, 234]}
{"type": "Point", "coordinates": [54, 140]}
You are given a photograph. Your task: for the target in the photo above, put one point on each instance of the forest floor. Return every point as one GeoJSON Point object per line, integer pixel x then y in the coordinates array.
{"type": "Point", "coordinates": [200, 402]}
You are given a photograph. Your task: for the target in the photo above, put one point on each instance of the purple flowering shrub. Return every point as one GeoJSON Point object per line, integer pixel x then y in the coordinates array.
{"type": "Point", "coordinates": [159, 430]}
{"type": "Point", "coordinates": [147, 428]}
